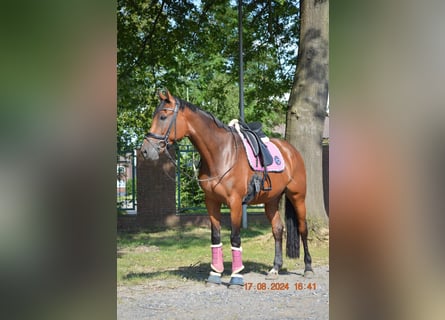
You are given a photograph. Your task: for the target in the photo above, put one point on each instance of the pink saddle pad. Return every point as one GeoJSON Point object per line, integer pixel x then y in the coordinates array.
{"type": "Point", "coordinates": [254, 162]}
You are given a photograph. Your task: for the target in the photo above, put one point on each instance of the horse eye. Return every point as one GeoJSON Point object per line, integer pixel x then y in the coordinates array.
{"type": "Point", "coordinates": [162, 117]}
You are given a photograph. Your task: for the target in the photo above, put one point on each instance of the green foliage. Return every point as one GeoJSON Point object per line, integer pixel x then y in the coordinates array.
{"type": "Point", "coordinates": [129, 187]}
{"type": "Point", "coordinates": [191, 47]}
{"type": "Point", "coordinates": [190, 195]}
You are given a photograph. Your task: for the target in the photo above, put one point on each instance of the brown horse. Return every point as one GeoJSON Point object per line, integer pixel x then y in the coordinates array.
{"type": "Point", "coordinates": [225, 177]}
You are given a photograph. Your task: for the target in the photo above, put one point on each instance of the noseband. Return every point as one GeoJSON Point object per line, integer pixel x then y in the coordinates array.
{"type": "Point", "coordinates": [163, 140]}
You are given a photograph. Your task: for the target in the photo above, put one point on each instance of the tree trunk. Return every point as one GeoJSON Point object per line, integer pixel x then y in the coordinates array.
{"type": "Point", "coordinates": [308, 99]}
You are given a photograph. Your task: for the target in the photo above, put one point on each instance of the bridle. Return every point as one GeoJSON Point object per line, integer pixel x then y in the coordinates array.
{"type": "Point", "coordinates": [163, 141]}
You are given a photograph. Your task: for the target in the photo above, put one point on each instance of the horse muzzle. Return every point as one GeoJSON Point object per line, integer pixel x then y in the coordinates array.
{"type": "Point", "coordinates": [151, 150]}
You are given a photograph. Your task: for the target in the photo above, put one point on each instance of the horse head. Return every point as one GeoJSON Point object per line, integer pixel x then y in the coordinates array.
{"type": "Point", "coordinates": [165, 127]}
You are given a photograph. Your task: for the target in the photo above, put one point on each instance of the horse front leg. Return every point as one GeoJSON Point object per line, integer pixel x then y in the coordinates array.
{"type": "Point", "coordinates": [235, 240]}
{"type": "Point", "coordinates": [217, 265]}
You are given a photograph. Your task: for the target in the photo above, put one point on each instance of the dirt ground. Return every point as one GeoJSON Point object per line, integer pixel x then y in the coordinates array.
{"type": "Point", "coordinates": [291, 296]}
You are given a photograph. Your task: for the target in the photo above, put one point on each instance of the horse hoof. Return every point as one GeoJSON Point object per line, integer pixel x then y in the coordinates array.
{"type": "Point", "coordinates": [213, 279]}
{"type": "Point", "coordinates": [272, 275]}
{"type": "Point", "coordinates": [308, 274]}
{"type": "Point", "coordinates": [236, 281]}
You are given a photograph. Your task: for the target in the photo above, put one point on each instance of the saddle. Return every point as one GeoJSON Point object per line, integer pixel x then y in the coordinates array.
{"type": "Point", "coordinates": [254, 134]}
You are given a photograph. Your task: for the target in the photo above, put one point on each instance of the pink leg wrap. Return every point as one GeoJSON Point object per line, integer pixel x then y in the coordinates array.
{"type": "Point", "coordinates": [217, 258]}
{"type": "Point", "coordinates": [237, 260]}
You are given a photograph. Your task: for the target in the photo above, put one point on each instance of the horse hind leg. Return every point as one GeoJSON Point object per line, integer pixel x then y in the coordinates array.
{"type": "Point", "coordinates": [273, 215]}
{"type": "Point", "coordinates": [296, 226]}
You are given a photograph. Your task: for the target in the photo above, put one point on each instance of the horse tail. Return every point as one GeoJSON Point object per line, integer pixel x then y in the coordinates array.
{"type": "Point", "coordinates": [293, 236]}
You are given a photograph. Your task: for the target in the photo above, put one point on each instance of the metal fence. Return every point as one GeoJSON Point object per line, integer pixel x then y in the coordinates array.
{"type": "Point", "coordinates": [126, 181]}
{"type": "Point", "coordinates": [189, 195]}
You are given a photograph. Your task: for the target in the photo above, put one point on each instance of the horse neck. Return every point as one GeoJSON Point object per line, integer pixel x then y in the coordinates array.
{"type": "Point", "coordinates": [214, 144]}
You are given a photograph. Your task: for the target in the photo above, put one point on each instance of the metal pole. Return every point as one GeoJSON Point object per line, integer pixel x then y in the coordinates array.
{"type": "Point", "coordinates": [178, 175]}
{"type": "Point", "coordinates": [241, 58]}
{"type": "Point", "coordinates": [133, 176]}
{"type": "Point", "coordinates": [241, 82]}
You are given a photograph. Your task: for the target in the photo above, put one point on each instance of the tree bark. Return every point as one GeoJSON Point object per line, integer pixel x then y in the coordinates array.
{"type": "Point", "coordinates": [308, 99]}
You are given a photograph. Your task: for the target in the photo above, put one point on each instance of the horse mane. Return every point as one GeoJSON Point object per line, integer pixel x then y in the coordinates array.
{"type": "Point", "coordinates": [185, 104]}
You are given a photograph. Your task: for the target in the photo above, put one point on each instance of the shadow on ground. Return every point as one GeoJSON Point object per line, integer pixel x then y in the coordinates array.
{"type": "Point", "coordinates": [181, 237]}
{"type": "Point", "coordinates": [200, 271]}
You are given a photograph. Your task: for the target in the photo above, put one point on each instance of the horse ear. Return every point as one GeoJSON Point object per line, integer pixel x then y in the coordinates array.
{"type": "Point", "coordinates": [161, 94]}
{"type": "Point", "coordinates": [169, 96]}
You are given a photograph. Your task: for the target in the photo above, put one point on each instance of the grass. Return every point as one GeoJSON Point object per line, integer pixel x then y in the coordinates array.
{"type": "Point", "coordinates": [184, 253]}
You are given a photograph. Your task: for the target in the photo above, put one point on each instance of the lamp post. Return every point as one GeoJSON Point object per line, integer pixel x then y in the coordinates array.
{"type": "Point", "coordinates": [241, 82]}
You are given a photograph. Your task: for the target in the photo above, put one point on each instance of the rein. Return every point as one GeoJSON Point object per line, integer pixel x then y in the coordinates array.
{"type": "Point", "coordinates": [220, 176]}
{"type": "Point", "coordinates": [231, 167]}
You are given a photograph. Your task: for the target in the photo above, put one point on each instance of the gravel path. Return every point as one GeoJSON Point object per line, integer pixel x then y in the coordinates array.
{"type": "Point", "coordinates": [291, 296]}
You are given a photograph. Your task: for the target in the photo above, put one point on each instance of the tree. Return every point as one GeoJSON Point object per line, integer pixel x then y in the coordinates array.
{"type": "Point", "coordinates": [307, 102]}
{"type": "Point", "coordinates": [191, 47]}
